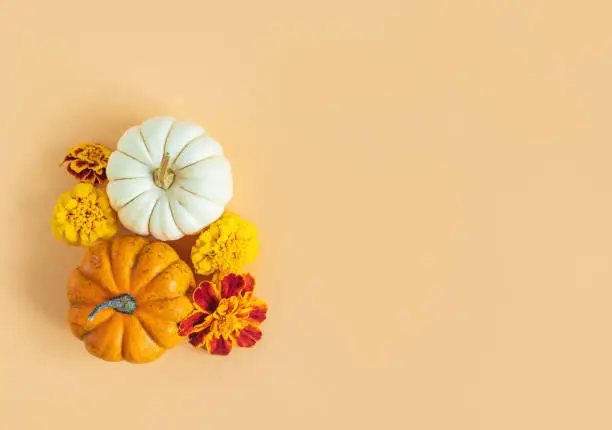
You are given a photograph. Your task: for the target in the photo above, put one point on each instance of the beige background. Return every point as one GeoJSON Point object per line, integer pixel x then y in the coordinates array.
{"type": "Point", "coordinates": [431, 181]}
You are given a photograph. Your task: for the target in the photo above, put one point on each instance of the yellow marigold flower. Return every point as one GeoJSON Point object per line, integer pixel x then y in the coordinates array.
{"type": "Point", "coordinates": [83, 215]}
{"type": "Point", "coordinates": [225, 246]}
{"type": "Point", "coordinates": [87, 162]}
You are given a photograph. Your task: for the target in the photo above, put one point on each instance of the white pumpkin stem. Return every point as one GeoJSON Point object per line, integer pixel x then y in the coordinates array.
{"type": "Point", "coordinates": [164, 176]}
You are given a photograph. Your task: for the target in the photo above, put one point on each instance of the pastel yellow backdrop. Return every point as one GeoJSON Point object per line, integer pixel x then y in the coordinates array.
{"type": "Point", "coordinates": [432, 185]}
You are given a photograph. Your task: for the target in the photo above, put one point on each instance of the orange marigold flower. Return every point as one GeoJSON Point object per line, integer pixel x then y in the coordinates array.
{"type": "Point", "coordinates": [87, 162]}
{"type": "Point", "coordinates": [226, 314]}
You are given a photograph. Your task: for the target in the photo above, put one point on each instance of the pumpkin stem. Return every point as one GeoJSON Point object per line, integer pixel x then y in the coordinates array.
{"type": "Point", "coordinates": [164, 176]}
{"type": "Point", "coordinates": [124, 303]}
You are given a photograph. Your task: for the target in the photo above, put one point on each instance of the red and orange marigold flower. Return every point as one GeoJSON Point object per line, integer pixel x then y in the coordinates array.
{"type": "Point", "coordinates": [226, 314]}
{"type": "Point", "coordinates": [87, 162]}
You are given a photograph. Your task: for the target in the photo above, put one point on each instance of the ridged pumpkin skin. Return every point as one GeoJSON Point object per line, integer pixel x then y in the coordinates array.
{"type": "Point", "coordinates": [153, 274]}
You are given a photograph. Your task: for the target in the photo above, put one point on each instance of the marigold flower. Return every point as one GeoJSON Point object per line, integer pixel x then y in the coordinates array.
{"type": "Point", "coordinates": [226, 314]}
{"type": "Point", "coordinates": [83, 215]}
{"type": "Point", "coordinates": [87, 162]}
{"type": "Point", "coordinates": [225, 246]}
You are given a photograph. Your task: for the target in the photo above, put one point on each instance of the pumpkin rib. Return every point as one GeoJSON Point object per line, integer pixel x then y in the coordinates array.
{"type": "Point", "coordinates": [152, 212]}
{"type": "Point", "coordinates": [133, 158]}
{"type": "Point", "coordinates": [121, 257]}
{"type": "Point", "coordinates": [141, 295]}
{"type": "Point", "coordinates": [196, 162]}
{"type": "Point", "coordinates": [78, 319]}
{"type": "Point", "coordinates": [94, 292]}
{"type": "Point", "coordinates": [130, 200]}
{"type": "Point", "coordinates": [139, 254]}
{"type": "Point", "coordinates": [172, 310]}
{"type": "Point", "coordinates": [175, 259]}
{"type": "Point", "coordinates": [180, 203]}
{"type": "Point", "coordinates": [145, 142]}
{"type": "Point", "coordinates": [131, 142]}
{"type": "Point", "coordinates": [199, 195]}
{"type": "Point", "coordinates": [143, 288]}
{"type": "Point", "coordinates": [187, 145]}
{"type": "Point", "coordinates": [163, 333]}
{"type": "Point", "coordinates": [145, 330]}
{"type": "Point", "coordinates": [107, 248]}
{"type": "Point", "coordinates": [148, 333]}
{"type": "Point", "coordinates": [106, 253]}
{"type": "Point", "coordinates": [125, 179]}
{"type": "Point", "coordinates": [168, 135]}
{"type": "Point", "coordinates": [107, 336]}
{"type": "Point", "coordinates": [136, 261]}
{"type": "Point", "coordinates": [174, 218]}
{"type": "Point", "coordinates": [164, 299]}
{"type": "Point", "coordinates": [110, 314]}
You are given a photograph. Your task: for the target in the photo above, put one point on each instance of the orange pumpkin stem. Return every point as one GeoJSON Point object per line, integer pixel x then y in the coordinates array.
{"type": "Point", "coordinates": [125, 303]}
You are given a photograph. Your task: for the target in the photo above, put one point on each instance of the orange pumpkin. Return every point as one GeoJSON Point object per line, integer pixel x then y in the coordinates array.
{"type": "Point", "coordinates": [126, 299]}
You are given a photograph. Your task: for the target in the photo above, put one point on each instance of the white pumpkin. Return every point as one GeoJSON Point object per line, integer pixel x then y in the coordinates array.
{"type": "Point", "coordinates": [168, 179]}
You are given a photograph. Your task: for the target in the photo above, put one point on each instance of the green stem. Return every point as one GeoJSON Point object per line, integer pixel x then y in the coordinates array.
{"type": "Point", "coordinates": [124, 303]}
